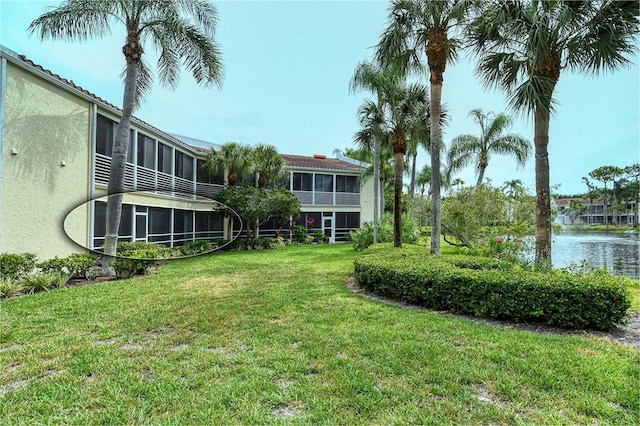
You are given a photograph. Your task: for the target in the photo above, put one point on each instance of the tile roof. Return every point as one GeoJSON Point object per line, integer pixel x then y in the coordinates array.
{"type": "Point", "coordinates": [319, 162]}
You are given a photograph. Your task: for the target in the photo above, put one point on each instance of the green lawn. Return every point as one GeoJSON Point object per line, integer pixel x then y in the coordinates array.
{"type": "Point", "coordinates": [274, 337]}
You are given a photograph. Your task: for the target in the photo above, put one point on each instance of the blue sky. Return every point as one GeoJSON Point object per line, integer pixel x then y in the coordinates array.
{"type": "Point", "coordinates": [287, 71]}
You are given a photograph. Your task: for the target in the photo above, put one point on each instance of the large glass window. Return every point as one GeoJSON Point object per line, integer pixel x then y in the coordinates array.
{"type": "Point", "coordinates": [203, 175]}
{"type": "Point", "coordinates": [184, 165]}
{"type": "Point", "coordinates": [105, 137]}
{"type": "Point", "coordinates": [164, 158]}
{"type": "Point", "coordinates": [347, 220]}
{"type": "Point", "coordinates": [209, 221]}
{"type": "Point", "coordinates": [347, 184]}
{"type": "Point", "coordinates": [302, 181]}
{"type": "Point", "coordinates": [324, 183]}
{"type": "Point", "coordinates": [159, 220]}
{"type": "Point", "coordinates": [182, 221]}
{"type": "Point", "coordinates": [105, 132]}
{"type": "Point", "coordinates": [146, 151]}
{"type": "Point", "coordinates": [125, 229]}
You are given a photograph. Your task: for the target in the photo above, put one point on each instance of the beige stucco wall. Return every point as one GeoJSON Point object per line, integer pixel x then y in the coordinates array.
{"type": "Point", "coordinates": [366, 202]}
{"type": "Point", "coordinates": [45, 126]}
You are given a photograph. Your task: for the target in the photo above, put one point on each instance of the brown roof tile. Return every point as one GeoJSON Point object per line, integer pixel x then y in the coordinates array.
{"type": "Point", "coordinates": [317, 162]}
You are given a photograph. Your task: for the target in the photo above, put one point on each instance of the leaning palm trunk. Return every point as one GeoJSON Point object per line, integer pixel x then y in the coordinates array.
{"type": "Point", "coordinates": [543, 196]}
{"type": "Point", "coordinates": [436, 204]}
{"type": "Point", "coordinates": [118, 164]}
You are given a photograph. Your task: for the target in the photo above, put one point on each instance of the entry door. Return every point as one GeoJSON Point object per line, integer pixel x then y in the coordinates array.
{"type": "Point", "coordinates": [141, 226]}
{"type": "Point", "coordinates": [327, 227]}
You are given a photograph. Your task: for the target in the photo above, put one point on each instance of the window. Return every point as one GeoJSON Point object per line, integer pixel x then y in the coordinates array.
{"type": "Point", "coordinates": [203, 175]}
{"type": "Point", "coordinates": [324, 183]}
{"type": "Point", "coordinates": [184, 165]}
{"type": "Point", "coordinates": [182, 221]}
{"type": "Point", "coordinates": [164, 158]}
{"type": "Point", "coordinates": [209, 221]}
{"type": "Point", "coordinates": [100, 222]}
{"type": "Point", "coordinates": [183, 225]}
{"type": "Point", "coordinates": [105, 137]}
{"type": "Point", "coordinates": [347, 184]}
{"type": "Point", "coordinates": [159, 221]}
{"type": "Point", "coordinates": [347, 220]}
{"type": "Point", "coordinates": [105, 133]}
{"type": "Point", "coordinates": [302, 181]}
{"type": "Point", "coordinates": [146, 151]}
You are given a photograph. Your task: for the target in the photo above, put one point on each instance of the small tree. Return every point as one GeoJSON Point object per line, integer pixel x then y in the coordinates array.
{"type": "Point", "coordinates": [257, 206]}
{"type": "Point", "coordinates": [475, 215]}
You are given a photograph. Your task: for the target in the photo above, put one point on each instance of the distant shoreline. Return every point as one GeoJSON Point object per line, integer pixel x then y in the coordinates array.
{"type": "Point", "coordinates": [614, 229]}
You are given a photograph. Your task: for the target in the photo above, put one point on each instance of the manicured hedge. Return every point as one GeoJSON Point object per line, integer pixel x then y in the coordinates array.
{"type": "Point", "coordinates": [491, 288]}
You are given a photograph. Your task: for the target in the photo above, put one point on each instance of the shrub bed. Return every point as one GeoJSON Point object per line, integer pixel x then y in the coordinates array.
{"type": "Point", "coordinates": [492, 288]}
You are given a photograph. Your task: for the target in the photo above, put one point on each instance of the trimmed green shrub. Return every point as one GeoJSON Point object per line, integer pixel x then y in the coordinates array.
{"type": "Point", "coordinates": [53, 265]}
{"type": "Point", "coordinates": [78, 264]}
{"type": "Point", "coordinates": [300, 234]}
{"type": "Point", "coordinates": [493, 288]}
{"type": "Point", "coordinates": [137, 261]}
{"type": "Point", "coordinates": [196, 247]}
{"type": "Point", "coordinates": [16, 266]}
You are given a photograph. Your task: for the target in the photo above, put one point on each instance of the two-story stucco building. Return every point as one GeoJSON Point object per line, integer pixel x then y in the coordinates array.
{"type": "Point", "coordinates": [55, 145]}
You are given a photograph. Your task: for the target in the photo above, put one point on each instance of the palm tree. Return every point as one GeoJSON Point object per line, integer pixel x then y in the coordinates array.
{"type": "Point", "coordinates": [419, 135]}
{"type": "Point", "coordinates": [423, 178]}
{"type": "Point", "coordinates": [416, 26]}
{"type": "Point", "coordinates": [267, 164]}
{"type": "Point", "coordinates": [512, 187]}
{"type": "Point", "coordinates": [372, 134]}
{"type": "Point", "coordinates": [605, 174]}
{"type": "Point", "coordinates": [469, 149]}
{"type": "Point", "coordinates": [232, 158]}
{"type": "Point", "coordinates": [370, 77]}
{"type": "Point", "coordinates": [524, 45]}
{"type": "Point", "coordinates": [402, 104]}
{"type": "Point", "coordinates": [393, 116]}
{"type": "Point", "coordinates": [183, 31]}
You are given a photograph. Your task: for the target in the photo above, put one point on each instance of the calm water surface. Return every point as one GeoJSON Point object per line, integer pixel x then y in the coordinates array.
{"type": "Point", "coordinates": [618, 253]}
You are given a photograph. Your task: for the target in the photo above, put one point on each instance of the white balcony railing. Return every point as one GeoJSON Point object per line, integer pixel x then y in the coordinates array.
{"type": "Point", "coordinates": [138, 178]}
{"type": "Point", "coordinates": [316, 198]}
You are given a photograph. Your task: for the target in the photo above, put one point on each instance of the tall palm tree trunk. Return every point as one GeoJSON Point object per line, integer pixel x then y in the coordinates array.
{"type": "Point", "coordinates": [481, 168]}
{"type": "Point", "coordinates": [436, 202]}
{"type": "Point", "coordinates": [412, 185]}
{"type": "Point", "coordinates": [399, 149]}
{"type": "Point", "coordinates": [543, 196]}
{"type": "Point", "coordinates": [376, 188]}
{"type": "Point", "coordinates": [115, 187]}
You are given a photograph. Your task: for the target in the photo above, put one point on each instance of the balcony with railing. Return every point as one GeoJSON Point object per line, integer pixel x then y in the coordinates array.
{"type": "Point", "coordinates": [138, 178]}
{"type": "Point", "coordinates": [318, 198]}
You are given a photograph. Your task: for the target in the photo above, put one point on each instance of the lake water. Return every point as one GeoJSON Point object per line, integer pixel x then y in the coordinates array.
{"type": "Point", "coordinates": [618, 253]}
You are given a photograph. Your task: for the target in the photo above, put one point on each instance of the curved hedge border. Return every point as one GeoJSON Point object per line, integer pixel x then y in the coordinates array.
{"type": "Point", "coordinates": [491, 288]}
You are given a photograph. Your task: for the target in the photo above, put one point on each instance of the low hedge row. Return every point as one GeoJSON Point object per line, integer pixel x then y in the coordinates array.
{"type": "Point", "coordinates": [491, 288]}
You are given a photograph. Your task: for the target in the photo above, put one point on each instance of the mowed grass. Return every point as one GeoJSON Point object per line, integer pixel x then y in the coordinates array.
{"type": "Point", "coordinates": [275, 337]}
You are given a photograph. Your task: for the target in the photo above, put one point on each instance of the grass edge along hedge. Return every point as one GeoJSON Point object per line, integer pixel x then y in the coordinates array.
{"type": "Point", "coordinates": [491, 288]}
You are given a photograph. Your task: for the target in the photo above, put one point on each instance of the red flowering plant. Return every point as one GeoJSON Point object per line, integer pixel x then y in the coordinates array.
{"type": "Point", "coordinates": [504, 248]}
{"type": "Point", "coordinates": [310, 222]}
